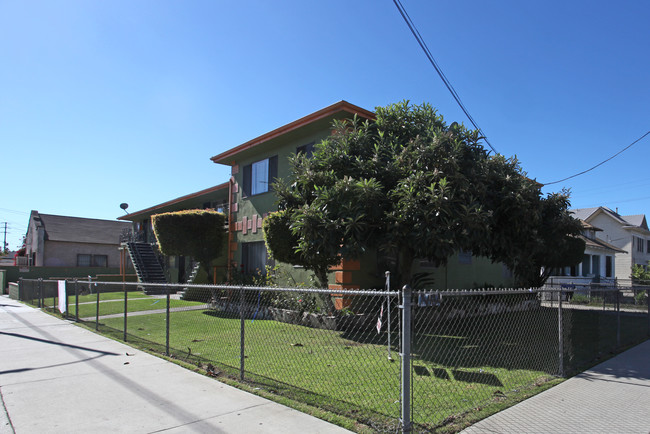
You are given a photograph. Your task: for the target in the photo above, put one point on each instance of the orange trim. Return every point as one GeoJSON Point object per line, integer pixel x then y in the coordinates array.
{"type": "Point", "coordinates": [173, 201]}
{"type": "Point", "coordinates": [347, 265]}
{"type": "Point", "coordinates": [341, 106]}
{"type": "Point", "coordinates": [343, 277]}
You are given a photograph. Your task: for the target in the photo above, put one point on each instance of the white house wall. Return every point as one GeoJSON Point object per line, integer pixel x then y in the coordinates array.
{"type": "Point", "coordinates": [613, 233]}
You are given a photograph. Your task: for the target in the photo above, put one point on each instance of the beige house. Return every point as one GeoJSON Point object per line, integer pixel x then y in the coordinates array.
{"type": "Point", "coordinates": [62, 241]}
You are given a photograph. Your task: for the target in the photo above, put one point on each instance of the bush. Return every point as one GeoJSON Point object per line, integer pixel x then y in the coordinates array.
{"type": "Point", "coordinates": [640, 298]}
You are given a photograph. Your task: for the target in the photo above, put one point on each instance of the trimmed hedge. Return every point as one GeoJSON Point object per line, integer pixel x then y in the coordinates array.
{"type": "Point", "coordinates": [199, 233]}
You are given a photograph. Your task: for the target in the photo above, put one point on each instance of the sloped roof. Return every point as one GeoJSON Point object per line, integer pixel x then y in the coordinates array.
{"type": "Point", "coordinates": [176, 204]}
{"type": "Point", "coordinates": [80, 230]}
{"type": "Point", "coordinates": [628, 222]}
{"type": "Point", "coordinates": [637, 220]}
{"type": "Point", "coordinates": [583, 213]}
{"type": "Point", "coordinates": [600, 244]}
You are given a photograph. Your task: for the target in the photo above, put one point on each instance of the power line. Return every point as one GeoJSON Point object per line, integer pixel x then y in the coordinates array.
{"type": "Point", "coordinates": [602, 162]}
{"type": "Point", "coordinates": [435, 65]}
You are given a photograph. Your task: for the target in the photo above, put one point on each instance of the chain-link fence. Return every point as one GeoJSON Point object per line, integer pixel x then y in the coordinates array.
{"type": "Point", "coordinates": [431, 361]}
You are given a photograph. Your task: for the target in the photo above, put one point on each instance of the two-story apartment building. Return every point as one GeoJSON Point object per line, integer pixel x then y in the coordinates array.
{"type": "Point", "coordinates": [630, 234]}
{"type": "Point", "coordinates": [258, 162]}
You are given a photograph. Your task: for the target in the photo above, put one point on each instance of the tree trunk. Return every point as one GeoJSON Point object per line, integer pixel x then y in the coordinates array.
{"type": "Point", "coordinates": [321, 275]}
{"type": "Point", "coordinates": [405, 264]}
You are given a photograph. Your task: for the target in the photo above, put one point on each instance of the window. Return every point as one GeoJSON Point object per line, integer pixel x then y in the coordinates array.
{"type": "Point", "coordinates": [259, 176]}
{"type": "Point", "coordinates": [640, 244]}
{"type": "Point", "coordinates": [307, 149]}
{"type": "Point", "coordinates": [648, 243]}
{"type": "Point", "coordinates": [254, 258]}
{"type": "Point", "coordinates": [100, 261]}
{"type": "Point", "coordinates": [85, 260]}
{"type": "Point", "coordinates": [608, 266]}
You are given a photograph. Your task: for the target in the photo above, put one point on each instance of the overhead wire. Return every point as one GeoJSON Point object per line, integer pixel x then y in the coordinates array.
{"type": "Point", "coordinates": [602, 162]}
{"type": "Point", "coordinates": [427, 52]}
{"type": "Point", "coordinates": [435, 65]}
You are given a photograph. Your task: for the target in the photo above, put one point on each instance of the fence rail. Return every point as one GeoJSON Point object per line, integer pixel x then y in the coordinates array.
{"type": "Point", "coordinates": [394, 360]}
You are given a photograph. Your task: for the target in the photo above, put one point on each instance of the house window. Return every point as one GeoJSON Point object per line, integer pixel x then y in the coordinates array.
{"type": "Point", "coordinates": [259, 176]}
{"type": "Point", "coordinates": [85, 260]}
{"type": "Point", "coordinates": [640, 244]}
{"type": "Point", "coordinates": [307, 149]}
{"type": "Point", "coordinates": [254, 258]}
{"type": "Point", "coordinates": [648, 243]}
{"type": "Point", "coordinates": [100, 261]}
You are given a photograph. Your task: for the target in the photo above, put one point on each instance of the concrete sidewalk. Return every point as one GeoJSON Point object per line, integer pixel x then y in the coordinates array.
{"type": "Point", "coordinates": [613, 397]}
{"type": "Point", "coordinates": [56, 377]}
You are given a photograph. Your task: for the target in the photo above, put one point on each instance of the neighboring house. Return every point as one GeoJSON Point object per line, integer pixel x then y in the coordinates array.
{"type": "Point", "coordinates": [258, 162]}
{"type": "Point", "coordinates": [628, 233]}
{"type": "Point", "coordinates": [598, 264]}
{"type": "Point", "coordinates": [62, 241]}
{"type": "Point", "coordinates": [180, 268]}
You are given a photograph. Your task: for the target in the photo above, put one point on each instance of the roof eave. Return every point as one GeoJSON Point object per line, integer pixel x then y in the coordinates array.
{"type": "Point", "coordinates": [151, 209]}
{"type": "Point", "coordinates": [341, 106]}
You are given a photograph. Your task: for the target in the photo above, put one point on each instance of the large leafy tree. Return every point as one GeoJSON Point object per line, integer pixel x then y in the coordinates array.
{"type": "Point", "coordinates": [411, 186]}
{"type": "Point", "coordinates": [199, 233]}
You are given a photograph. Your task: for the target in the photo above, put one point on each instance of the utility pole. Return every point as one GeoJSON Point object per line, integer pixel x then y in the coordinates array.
{"type": "Point", "coordinates": [4, 244]}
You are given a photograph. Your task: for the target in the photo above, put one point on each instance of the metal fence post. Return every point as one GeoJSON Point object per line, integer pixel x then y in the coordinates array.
{"type": "Point", "coordinates": [41, 301]}
{"type": "Point", "coordinates": [126, 305]}
{"type": "Point", "coordinates": [618, 319]}
{"type": "Point", "coordinates": [167, 321]}
{"type": "Point", "coordinates": [67, 305]}
{"type": "Point", "coordinates": [242, 329]}
{"type": "Point", "coordinates": [406, 359]}
{"type": "Point", "coordinates": [76, 301]}
{"type": "Point", "coordinates": [388, 312]}
{"type": "Point", "coordinates": [560, 335]}
{"type": "Point", "coordinates": [97, 312]}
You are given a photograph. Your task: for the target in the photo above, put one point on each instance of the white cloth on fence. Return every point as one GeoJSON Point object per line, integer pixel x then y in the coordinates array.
{"type": "Point", "coordinates": [62, 296]}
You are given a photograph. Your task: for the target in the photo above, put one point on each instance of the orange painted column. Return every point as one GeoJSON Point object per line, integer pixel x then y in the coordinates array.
{"type": "Point", "coordinates": [343, 280]}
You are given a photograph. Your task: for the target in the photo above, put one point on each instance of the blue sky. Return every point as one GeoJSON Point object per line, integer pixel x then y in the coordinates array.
{"type": "Point", "coordinates": [126, 101]}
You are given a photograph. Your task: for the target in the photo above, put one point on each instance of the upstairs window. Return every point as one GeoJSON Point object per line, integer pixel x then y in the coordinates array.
{"type": "Point", "coordinates": [259, 176]}
{"type": "Point", "coordinates": [640, 245]}
{"type": "Point", "coordinates": [307, 149]}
